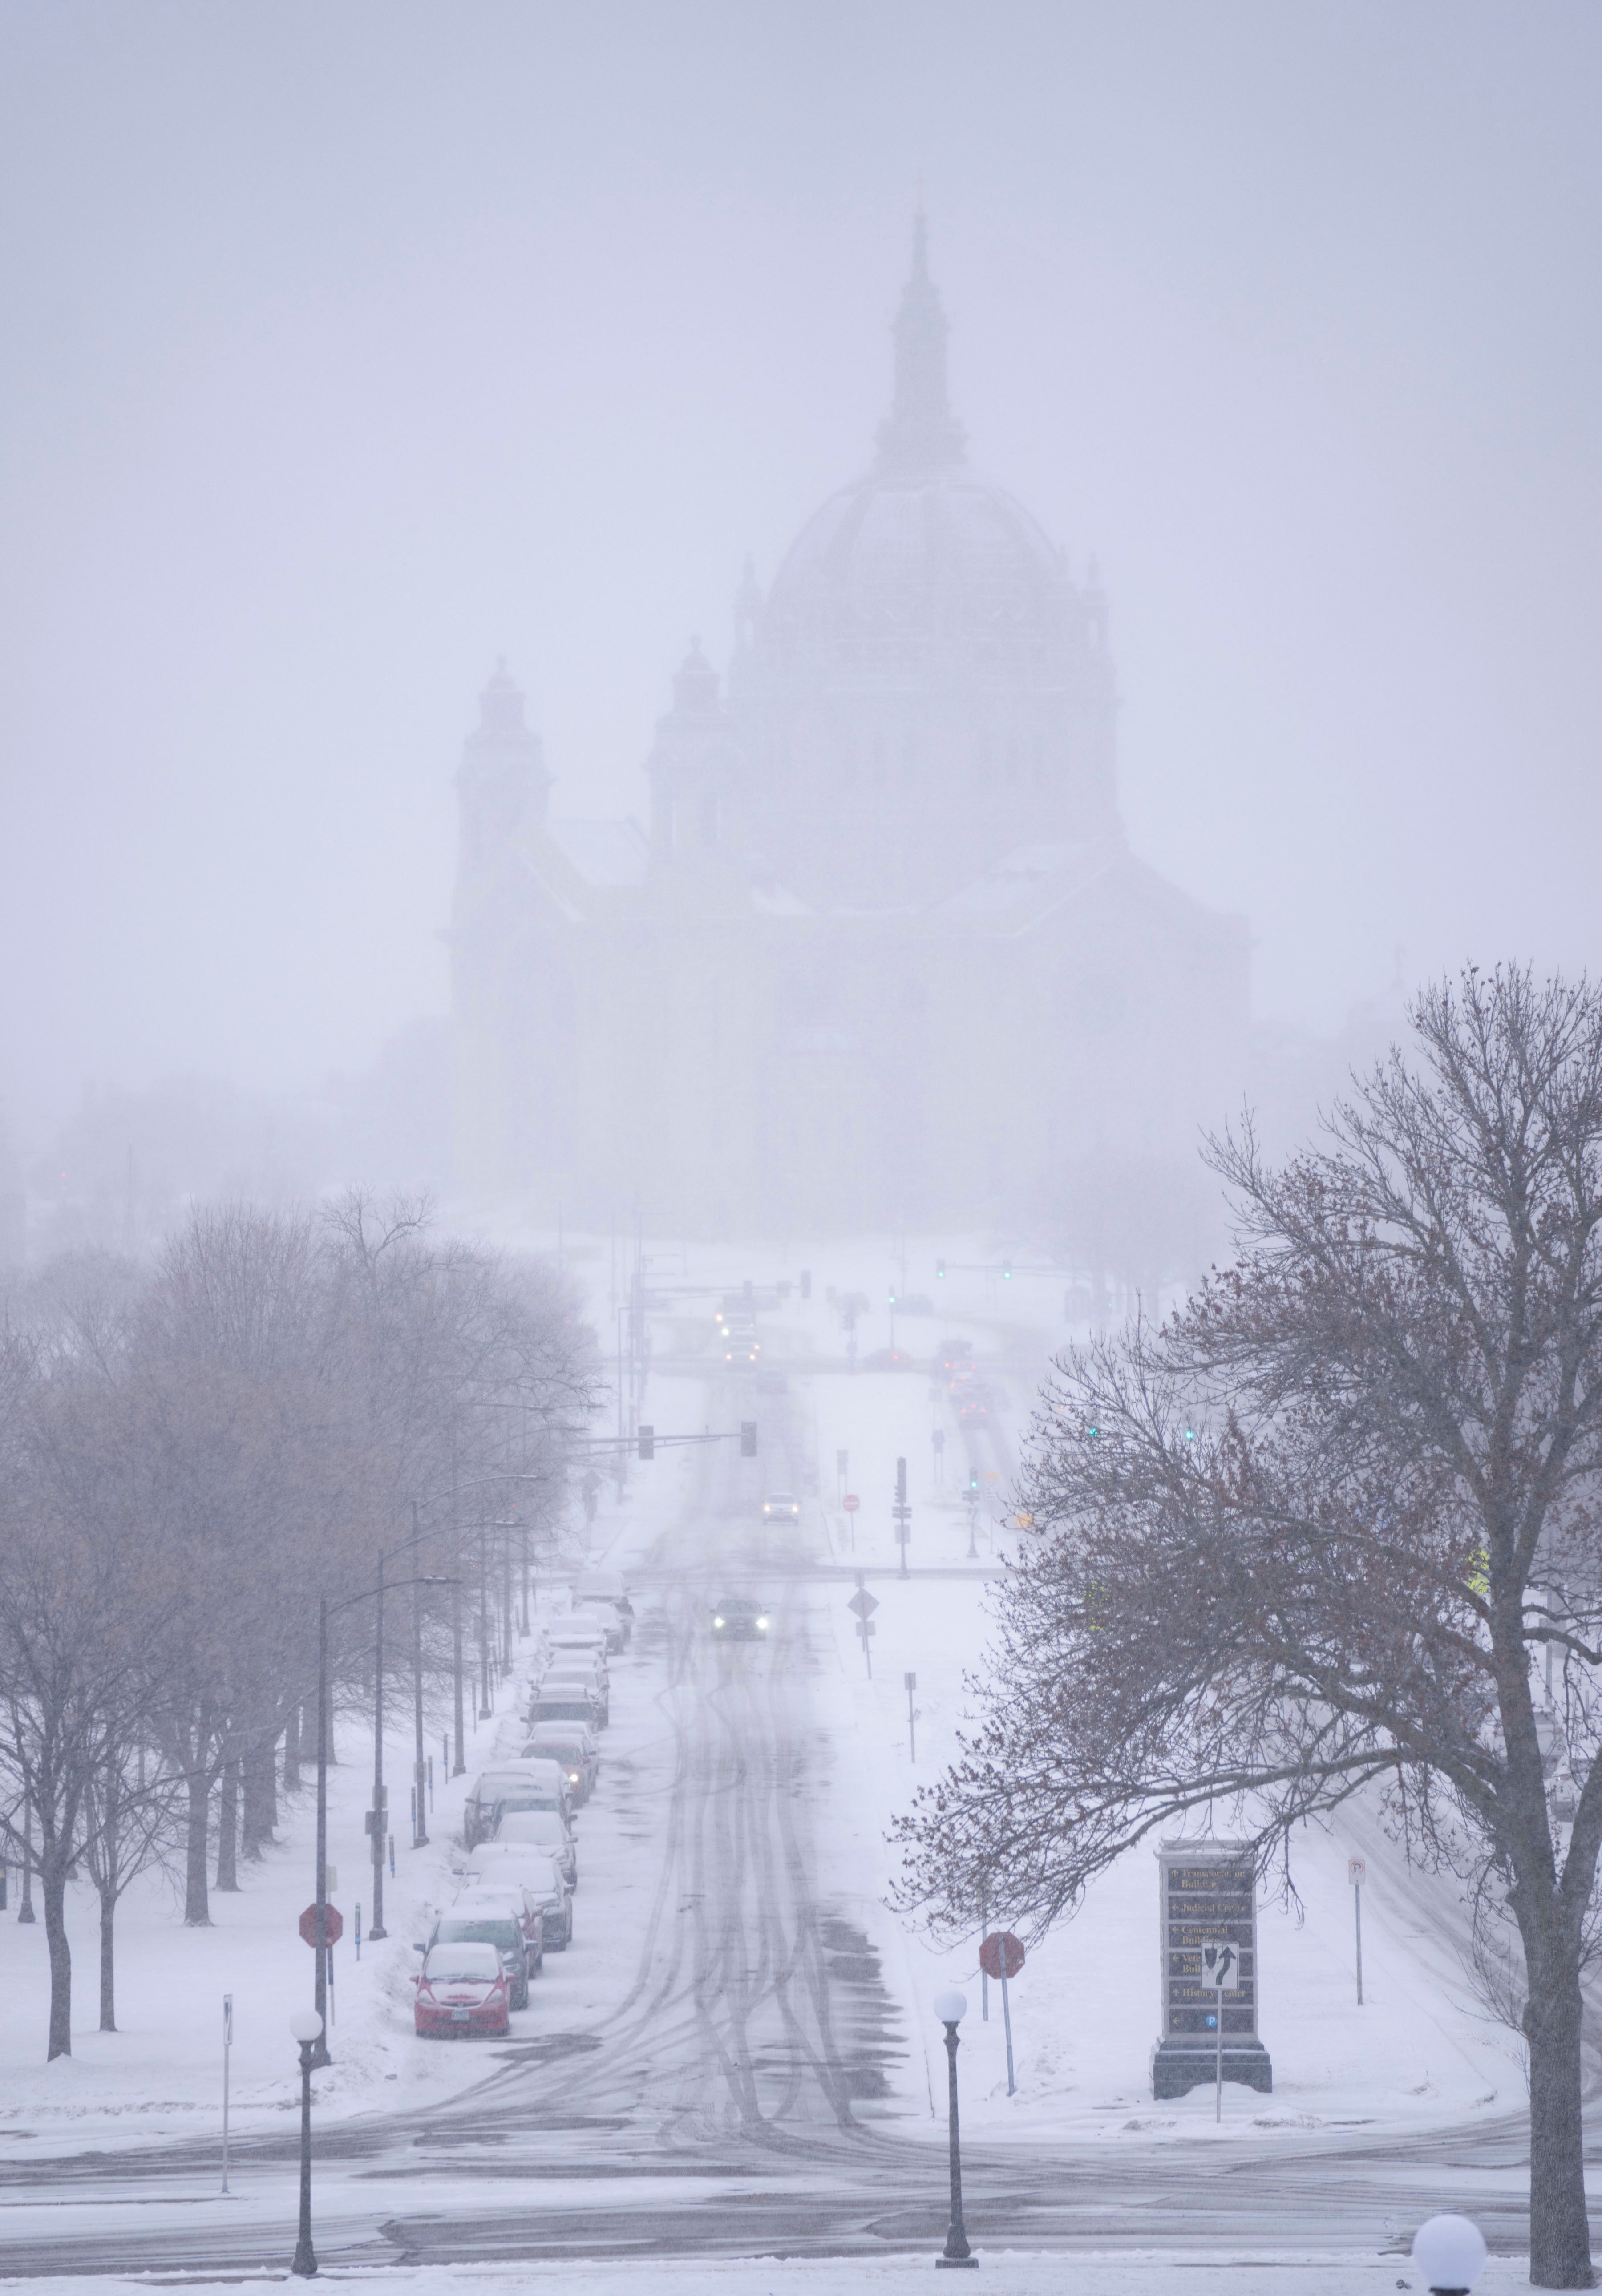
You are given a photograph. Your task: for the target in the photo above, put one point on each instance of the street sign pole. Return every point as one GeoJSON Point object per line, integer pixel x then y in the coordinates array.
{"type": "Point", "coordinates": [1356, 1872]}
{"type": "Point", "coordinates": [912, 1719]}
{"type": "Point", "coordinates": [1001, 1955]}
{"type": "Point", "coordinates": [227, 2044]}
{"type": "Point", "coordinates": [1218, 1958]}
{"type": "Point", "coordinates": [864, 1606]}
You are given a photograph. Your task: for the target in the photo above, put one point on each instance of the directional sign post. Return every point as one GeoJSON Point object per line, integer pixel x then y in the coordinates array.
{"type": "Point", "coordinates": [911, 1682]}
{"type": "Point", "coordinates": [1001, 1955]}
{"type": "Point", "coordinates": [864, 1604]}
{"type": "Point", "coordinates": [1356, 1872]}
{"type": "Point", "coordinates": [1219, 1963]}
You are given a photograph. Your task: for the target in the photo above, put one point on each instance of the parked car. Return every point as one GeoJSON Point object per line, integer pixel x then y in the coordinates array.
{"type": "Point", "coordinates": [780, 1506]}
{"type": "Point", "coordinates": [602, 1586]}
{"type": "Point", "coordinates": [575, 1704]}
{"type": "Point", "coordinates": [604, 1617]}
{"type": "Point", "coordinates": [462, 1988]}
{"type": "Point", "coordinates": [737, 1618]}
{"type": "Point", "coordinates": [537, 1782]}
{"type": "Point", "coordinates": [546, 1830]}
{"type": "Point", "coordinates": [500, 1864]}
{"type": "Point", "coordinates": [563, 1679]}
{"type": "Point", "coordinates": [574, 1745]}
{"type": "Point", "coordinates": [580, 1634]}
{"type": "Point", "coordinates": [475, 1919]}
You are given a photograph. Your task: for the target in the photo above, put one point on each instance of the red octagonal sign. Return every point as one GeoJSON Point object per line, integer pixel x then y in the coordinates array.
{"type": "Point", "coordinates": [1001, 1955]}
{"type": "Point", "coordinates": [333, 1925]}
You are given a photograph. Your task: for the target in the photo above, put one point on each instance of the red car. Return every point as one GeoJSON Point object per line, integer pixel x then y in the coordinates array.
{"type": "Point", "coordinates": [462, 1988]}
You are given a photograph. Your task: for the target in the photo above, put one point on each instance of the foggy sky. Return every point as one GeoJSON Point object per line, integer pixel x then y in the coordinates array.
{"type": "Point", "coordinates": [349, 347]}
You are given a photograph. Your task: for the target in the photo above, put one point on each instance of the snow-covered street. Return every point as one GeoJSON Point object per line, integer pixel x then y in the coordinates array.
{"type": "Point", "coordinates": [738, 2056]}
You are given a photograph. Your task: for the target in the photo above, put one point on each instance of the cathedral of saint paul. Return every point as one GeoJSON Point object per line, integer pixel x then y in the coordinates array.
{"type": "Point", "coordinates": [879, 956]}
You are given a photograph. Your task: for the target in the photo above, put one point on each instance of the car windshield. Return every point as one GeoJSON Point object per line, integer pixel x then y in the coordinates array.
{"type": "Point", "coordinates": [780, 1498]}
{"type": "Point", "coordinates": [461, 1962]}
{"type": "Point", "coordinates": [485, 1929]}
{"type": "Point", "coordinates": [562, 1709]}
{"type": "Point", "coordinates": [530, 1825]}
{"type": "Point", "coordinates": [528, 1860]}
{"type": "Point", "coordinates": [571, 1752]}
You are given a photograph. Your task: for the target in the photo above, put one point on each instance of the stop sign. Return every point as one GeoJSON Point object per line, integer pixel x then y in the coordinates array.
{"type": "Point", "coordinates": [333, 1925]}
{"type": "Point", "coordinates": [1001, 1955]}
{"type": "Point", "coordinates": [850, 1502]}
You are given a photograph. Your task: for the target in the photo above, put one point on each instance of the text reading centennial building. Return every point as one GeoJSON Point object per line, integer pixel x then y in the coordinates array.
{"type": "Point", "coordinates": [882, 957]}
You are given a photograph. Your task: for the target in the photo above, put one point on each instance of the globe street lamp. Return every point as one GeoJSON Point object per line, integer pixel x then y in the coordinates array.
{"type": "Point", "coordinates": [1451, 2254]}
{"type": "Point", "coordinates": [950, 2009]}
{"type": "Point", "coordinates": [307, 2027]}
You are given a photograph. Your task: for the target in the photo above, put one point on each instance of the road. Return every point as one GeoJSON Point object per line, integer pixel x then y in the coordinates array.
{"type": "Point", "coordinates": [734, 2100]}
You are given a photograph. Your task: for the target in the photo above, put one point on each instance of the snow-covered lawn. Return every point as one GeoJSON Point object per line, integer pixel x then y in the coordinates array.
{"type": "Point", "coordinates": [1000, 2273]}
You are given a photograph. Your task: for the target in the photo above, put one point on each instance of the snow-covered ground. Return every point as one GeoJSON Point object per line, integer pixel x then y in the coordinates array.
{"type": "Point", "coordinates": [1002, 2273]}
{"type": "Point", "coordinates": [160, 2074]}
{"type": "Point", "coordinates": [1085, 2011]}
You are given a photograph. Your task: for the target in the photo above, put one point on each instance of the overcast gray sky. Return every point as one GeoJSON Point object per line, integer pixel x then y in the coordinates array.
{"type": "Point", "coordinates": [347, 346]}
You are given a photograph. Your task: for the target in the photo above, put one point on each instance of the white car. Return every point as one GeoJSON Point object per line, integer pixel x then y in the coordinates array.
{"type": "Point", "coordinates": [497, 1865]}
{"type": "Point", "coordinates": [547, 1830]}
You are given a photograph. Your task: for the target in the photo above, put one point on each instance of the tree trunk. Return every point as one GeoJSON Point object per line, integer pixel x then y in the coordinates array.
{"type": "Point", "coordinates": [108, 1986]}
{"type": "Point", "coordinates": [197, 1906]}
{"type": "Point", "coordinates": [227, 1827]}
{"type": "Point", "coordinates": [259, 1790]}
{"type": "Point", "coordinates": [292, 1750]}
{"type": "Point", "coordinates": [52, 1889]}
{"type": "Point", "coordinates": [1560, 2254]}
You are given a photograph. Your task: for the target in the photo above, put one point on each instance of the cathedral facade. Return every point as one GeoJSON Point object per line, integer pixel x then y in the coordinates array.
{"type": "Point", "coordinates": [882, 956]}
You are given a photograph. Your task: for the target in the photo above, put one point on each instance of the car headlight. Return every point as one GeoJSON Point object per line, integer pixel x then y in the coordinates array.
{"type": "Point", "coordinates": [762, 1626]}
{"type": "Point", "coordinates": [717, 1622]}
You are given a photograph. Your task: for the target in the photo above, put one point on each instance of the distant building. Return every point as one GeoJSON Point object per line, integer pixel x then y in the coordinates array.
{"type": "Point", "coordinates": [882, 957]}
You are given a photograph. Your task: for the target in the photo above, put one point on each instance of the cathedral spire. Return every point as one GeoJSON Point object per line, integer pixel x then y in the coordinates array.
{"type": "Point", "coordinates": [920, 434]}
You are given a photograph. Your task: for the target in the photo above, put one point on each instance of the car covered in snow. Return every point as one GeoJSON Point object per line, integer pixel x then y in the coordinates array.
{"type": "Point", "coordinates": [536, 1782]}
{"type": "Point", "coordinates": [573, 1702]}
{"type": "Point", "coordinates": [462, 1988]}
{"type": "Point", "coordinates": [546, 1829]}
{"type": "Point", "coordinates": [524, 1865]}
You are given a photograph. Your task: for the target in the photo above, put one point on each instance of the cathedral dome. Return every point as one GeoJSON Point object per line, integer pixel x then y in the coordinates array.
{"type": "Point", "coordinates": [923, 559]}
{"type": "Point", "coordinates": [908, 562]}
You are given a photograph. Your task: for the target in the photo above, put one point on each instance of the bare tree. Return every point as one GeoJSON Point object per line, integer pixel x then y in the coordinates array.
{"type": "Point", "coordinates": [1320, 1531]}
{"type": "Point", "coordinates": [130, 1823]}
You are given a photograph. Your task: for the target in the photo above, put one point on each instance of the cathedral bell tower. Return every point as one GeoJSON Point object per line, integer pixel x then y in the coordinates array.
{"type": "Point", "coordinates": [696, 769]}
{"type": "Point", "coordinates": [503, 783]}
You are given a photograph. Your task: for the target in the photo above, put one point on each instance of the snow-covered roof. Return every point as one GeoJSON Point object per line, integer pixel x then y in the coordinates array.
{"type": "Point", "coordinates": [1019, 872]}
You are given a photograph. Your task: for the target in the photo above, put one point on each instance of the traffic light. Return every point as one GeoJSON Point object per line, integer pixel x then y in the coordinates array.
{"type": "Point", "coordinates": [940, 1269]}
{"type": "Point", "coordinates": [900, 1482]}
{"type": "Point", "coordinates": [748, 1438]}
{"type": "Point", "coordinates": [806, 1282]}
{"type": "Point", "coordinates": [974, 1481]}
{"type": "Point", "coordinates": [892, 1295]}
{"type": "Point", "coordinates": [647, 1442]}
{"type": "Point", "coordinates": [1007, 1271]}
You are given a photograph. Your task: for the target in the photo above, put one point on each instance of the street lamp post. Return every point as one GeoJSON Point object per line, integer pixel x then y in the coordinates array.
{"type": "Point", "coordinates": [377, 1929]}
{"type": "Point", "coordinates": [459, 1762]}
{"type": "Point", "coordinates": [420, 1760]}
{"type": "Point", "coordinates": [320, 2050]}
{"type": "Point", "coordinates": [950, 2009]}
{"type": "Point", "coordinates": [307, 2027]}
